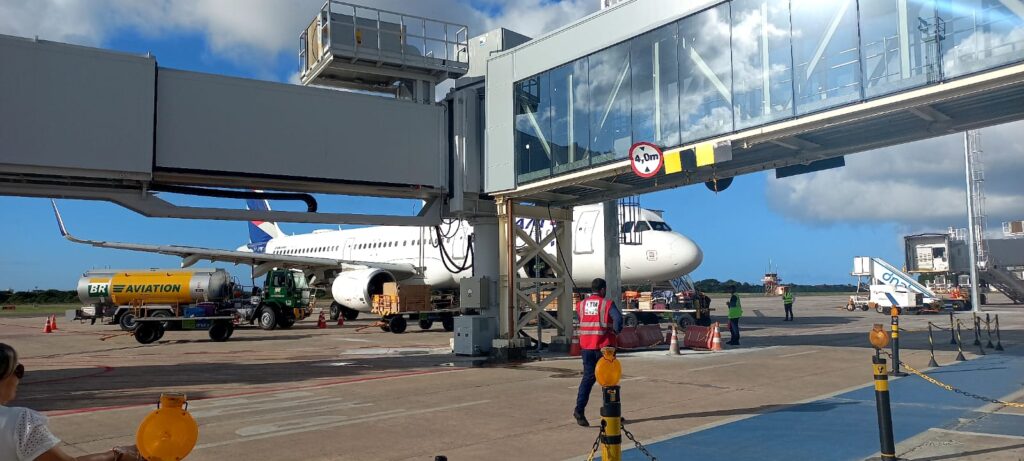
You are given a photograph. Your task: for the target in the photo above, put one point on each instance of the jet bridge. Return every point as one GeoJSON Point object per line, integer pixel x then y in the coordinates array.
{"type": "Point", "coordinates": [86, 123]}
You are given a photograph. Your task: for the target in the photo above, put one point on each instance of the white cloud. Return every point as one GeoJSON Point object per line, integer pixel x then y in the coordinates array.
{"type": "Point", "coordinates": [920, 185]}
{"type": "Point", "coordinates": [253, 33]}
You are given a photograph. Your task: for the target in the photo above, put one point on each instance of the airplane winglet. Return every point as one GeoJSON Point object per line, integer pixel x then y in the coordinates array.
{"type": "Point", "coordinates": [60, 221]}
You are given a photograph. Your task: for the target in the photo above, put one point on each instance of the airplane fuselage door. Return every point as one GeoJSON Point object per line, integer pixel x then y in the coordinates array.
{"type": "Point", "coordinates": [583, 238]}
{"type": "Point", "coordinates": [346, 249]}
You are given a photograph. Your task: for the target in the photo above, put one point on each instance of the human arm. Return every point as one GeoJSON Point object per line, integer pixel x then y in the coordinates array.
{"type": "Point", "coordinates": [616, 318]}
{"type": "Point", "coordinates": [115, 454]}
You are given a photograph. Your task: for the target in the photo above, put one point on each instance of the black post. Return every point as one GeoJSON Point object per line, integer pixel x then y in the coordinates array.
{"type": "Point", "coordinates": [977, 334]}
{"type": "Point", "coordinates": [977, 340]}
{"type": "Point", "coordinates": [931, 347]}
{"type": "Point", "coordinates": [988, 330]}
{"type": "Point", "coordinates": [999, 341]}
{"type": "Point", "coordinates": [885, 436]}
{"type": "Point", "coordinates": [952, 334]}
{"type": "Point", "coordinates": [896, 343]}
{"type": "Point", "coordinates": [959, 344]}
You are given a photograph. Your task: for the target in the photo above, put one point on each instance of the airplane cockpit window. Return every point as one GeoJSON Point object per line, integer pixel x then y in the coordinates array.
{"type": "Point", "coordinates": [660, 226]}
{"type": "Point", "coordinates": [627, 227]}
{"type": "Point", "coordinates": [641, 226]}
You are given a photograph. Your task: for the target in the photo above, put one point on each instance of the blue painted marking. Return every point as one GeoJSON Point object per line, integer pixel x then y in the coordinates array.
{"type": "Point", "coordinates": [845, 427]}
{"type": "Point", "coordinates": [892, 299]}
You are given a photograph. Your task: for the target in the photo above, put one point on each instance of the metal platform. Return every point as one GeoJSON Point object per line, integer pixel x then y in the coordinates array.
{"type": "Point", "coordinates": [357, 47]}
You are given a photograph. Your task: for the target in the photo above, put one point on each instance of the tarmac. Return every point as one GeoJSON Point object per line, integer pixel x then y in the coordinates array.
{"type": "Point", "coordinates": [795, 390]}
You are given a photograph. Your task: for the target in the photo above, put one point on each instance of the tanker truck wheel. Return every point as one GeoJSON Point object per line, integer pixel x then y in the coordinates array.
{"type": "Point", "coordinates": [147, 332]}
{"type": "Point", "coordinates": [268, 319]}
{"type": "Point", "coordinates": [127, 321]}
{"type": "Point", "coordinates": [220, 331]}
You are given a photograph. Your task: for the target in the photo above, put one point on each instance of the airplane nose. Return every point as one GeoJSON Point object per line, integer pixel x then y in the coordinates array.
{"type": "Point", "coordinates": [685, 255]}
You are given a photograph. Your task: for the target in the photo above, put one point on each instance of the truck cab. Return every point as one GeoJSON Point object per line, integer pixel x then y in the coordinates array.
{"type": "Point", "coordinates": [285, 299]}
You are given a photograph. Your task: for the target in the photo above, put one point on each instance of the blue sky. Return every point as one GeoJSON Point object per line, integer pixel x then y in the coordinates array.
{"type": "Point", "coordinates": [810, 227]}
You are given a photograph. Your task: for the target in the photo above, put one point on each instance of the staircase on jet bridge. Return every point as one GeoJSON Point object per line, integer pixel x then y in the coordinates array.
{"type": "Point", "coordinates": [1004, 281]}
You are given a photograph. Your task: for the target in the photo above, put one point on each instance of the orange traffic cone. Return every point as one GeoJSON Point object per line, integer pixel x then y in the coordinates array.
{"type": "Point", "coordinates": [49, 327]}
{"type": "Point", "coordinates": [53, 322]}
{"type": "Point", "coordinates": [321, 322]}
{"type": "Point", "coordinates": [341, 320]}
{"type": "Point", "coordinates": [716, 340]}
{"type": "Point", "coordinates": [574, 346]}
{"type": "Point", "coordinates": [673, 345]}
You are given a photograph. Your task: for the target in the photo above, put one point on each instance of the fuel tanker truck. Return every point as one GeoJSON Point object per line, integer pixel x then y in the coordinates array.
{"type": "Point", "coordinates": [122, 296]}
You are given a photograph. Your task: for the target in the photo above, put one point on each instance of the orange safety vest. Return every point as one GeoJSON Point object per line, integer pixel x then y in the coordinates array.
{"type": "Point", "coordinates": [595, 323]}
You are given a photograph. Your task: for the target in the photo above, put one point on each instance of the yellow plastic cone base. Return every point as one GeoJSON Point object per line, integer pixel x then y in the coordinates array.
{"type": "Point", "coordinates": [169, 433]}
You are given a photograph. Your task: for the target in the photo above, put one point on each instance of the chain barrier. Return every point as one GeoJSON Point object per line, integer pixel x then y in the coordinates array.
{"type": "Point", "coordinates": [597, 443]}
{"type": "Point", "coordinates": [957, 390]}
{"type": "Point", "coordinates": [639, 446]}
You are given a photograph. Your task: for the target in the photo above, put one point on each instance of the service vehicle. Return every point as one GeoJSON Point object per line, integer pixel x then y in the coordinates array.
{"type": "Point", "coordinates": [122, 297]}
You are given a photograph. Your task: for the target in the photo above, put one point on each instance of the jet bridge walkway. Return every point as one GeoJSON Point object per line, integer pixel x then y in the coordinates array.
{"type": "Point", "coordinates": [86, 123]}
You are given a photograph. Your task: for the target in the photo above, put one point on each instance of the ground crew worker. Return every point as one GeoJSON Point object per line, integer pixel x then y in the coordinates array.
{"type": "Point", "coordinates": [600, 322]}
{"type": "Point", "coordinates": [787, 302]}
{"type": "Point", "coordinates": [735, 312]}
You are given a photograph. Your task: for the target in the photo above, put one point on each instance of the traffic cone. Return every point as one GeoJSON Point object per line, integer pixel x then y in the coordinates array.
{"type": "Point", "coordinates": [673, 345]}
{"type": "Point", "coordinates": [321, 322]}
{"type": "Point", "coordinates": [53, 322]}
{"type": "Point", "coordinates": [341, 320]}
{"type": "Point", "coordinates": [716, 339]}
{"type": "Point", "coordinates": [574, 346]}
{"type": "Point", "coordinates": [49, 327]}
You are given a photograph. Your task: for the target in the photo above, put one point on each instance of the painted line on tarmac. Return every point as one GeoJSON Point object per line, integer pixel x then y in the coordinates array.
{"type": "Point", "coordinates": [976, 434]}
{"type": "Point", "coordinates": [317, 425]}
{"type": "Point", "coordinates": [721, 365]}
{"type": "Point", "coordinates": [59, 413]}
{"type": "Point", "coordinates": [799, 353]}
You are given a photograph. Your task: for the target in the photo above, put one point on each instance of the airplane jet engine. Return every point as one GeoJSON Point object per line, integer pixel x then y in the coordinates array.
{"type": "Point", "coordinates": [355, 289]}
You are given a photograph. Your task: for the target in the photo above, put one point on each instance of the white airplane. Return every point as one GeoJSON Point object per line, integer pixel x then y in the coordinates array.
{"type": "Point", "coordinates": [357, 262]}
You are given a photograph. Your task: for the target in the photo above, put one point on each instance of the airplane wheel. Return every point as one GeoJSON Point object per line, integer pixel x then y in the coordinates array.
{"type": "Point", "coordinates": [397, 324]}
{"type": "Point", "coordinates": [147, 332]}
{"type": "Point", "coordinates": [335, 311]}
{"type": "Point", "coordinates": [425, 324]}
{"type": "Point", "coordinates": [350, 314]}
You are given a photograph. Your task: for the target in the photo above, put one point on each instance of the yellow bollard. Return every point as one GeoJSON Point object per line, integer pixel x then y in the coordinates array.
{"type": "Point", "coordinates": [608, 373]}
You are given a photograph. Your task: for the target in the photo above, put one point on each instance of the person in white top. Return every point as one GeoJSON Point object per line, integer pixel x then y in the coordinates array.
{"type": "Point", "coordinates": [23, 432]}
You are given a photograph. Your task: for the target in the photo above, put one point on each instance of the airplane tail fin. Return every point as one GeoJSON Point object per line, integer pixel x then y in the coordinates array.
{"type": "Point", "coordinates": [260, 232]}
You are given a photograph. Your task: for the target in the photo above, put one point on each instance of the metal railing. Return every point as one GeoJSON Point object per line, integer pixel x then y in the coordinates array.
{"type": "Point", "coordinates": [382, 36]}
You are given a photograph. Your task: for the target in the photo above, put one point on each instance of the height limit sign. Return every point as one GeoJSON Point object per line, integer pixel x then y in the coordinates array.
{"type": "Point", "coordinates": [646, 159]}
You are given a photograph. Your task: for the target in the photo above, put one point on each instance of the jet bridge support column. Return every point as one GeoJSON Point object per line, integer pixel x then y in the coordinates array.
{"type": "Point", "coordinates": [486, 257]}
{"type": "Point", "coordinates": [612, 265]}
{"type": "Point", "coordinates": [524, 298]}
